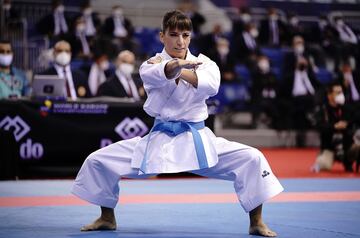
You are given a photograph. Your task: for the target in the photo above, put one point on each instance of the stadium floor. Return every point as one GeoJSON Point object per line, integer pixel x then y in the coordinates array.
{"type": "Point", "coordinates": [312, 205]}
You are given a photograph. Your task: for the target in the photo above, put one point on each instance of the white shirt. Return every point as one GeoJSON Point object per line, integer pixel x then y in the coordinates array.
{"type": "Point", "coordinates": [346, 34]}
{"type": "Point", "coordinates": [176, 102]}
{"type": "Point", "coordinates": [302, 85]}
{"type": "Point", "coordinates": [60, 71]}
{"type": "Point", "coordinates": [355, 96]}
{"type": "Point", "coordinates": [96, 77]}
{"type": "Point", "coordinates": [128, 84]}
{"type": "Point", "coordinates": [119, 28]}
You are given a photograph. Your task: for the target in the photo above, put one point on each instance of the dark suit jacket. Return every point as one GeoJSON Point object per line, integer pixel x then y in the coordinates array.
{"type": "Point", "coordinates": [108, 27]}
{"type": "Point", "coordinates": [79, 80]}
{"type": "Point", "coordinates": [226, 66]}
{"type": "Point", "coordinates": [264, 36]}
{"type": "Point", "coordinates": [347, 90]}
{"type": "Point", "coordinates": [289, 67]}
{"type": "Point", "coordinates": [242, 50]}
{"type": "Point", "coordinates": [113, 88]}
{"type": "Point", "coordinates": [46, 25]}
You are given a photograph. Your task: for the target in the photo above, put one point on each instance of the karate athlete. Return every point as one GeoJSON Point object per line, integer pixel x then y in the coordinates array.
{"type": "Point", "coordinates": [177, 84]}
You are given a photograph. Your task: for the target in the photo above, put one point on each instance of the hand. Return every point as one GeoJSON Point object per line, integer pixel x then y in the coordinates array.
{"type": "Point", "coordinates": [188, 64]}
{"type": "Point", "coordinates": [341, 125]}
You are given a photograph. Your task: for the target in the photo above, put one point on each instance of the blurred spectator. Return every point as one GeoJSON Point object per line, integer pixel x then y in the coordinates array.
{"type": "Point", "coordinates": [13, 82]}
{"type": "Point", "coordinates": [326, 36]}
{"type": "Point", "coordinates": [119, 30]}
{"type": "Point", "coordinates": [293, 27]}
{"type": "Point", "coordinates": [350, 80]}
{"type": "Point", "coordinates": [76, 81]}
{"type": "Point", "coordinates": [272, 29]}
{"type": "Point", "coordinates": [299, 87]}
{"type": "Point", "coordinates": [264, 93]}
{"type": "Point", "coordinates": [239, 23]}
{"type": "Point", "coordinates": [208, 41]}
{"type": "Point", "coordinates": [123, 83]}
{"type": "Point", "coordinates": [91, 20]}
{"type": "Point", "coordinates": [80, 44]}
{"type": "Point", "coordinates": [348, 39]}
{"type": "Point", "coordinates": [224, 59]}
{"type": "Point", "coordinates": [333, 122]}
{"type": "Point", "coordinates": [98, 71]}
{"type": "Point", "coordinates": [190, 9]}
{"type": "Point", "coordinates": [55, 25]}
{"type": "Point", "coordinates": [9, 13]}
{"type": "Point", "coordinates": [246, 46]}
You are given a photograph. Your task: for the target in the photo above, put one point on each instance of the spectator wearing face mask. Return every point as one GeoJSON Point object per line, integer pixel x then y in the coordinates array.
{"type": "Point", "coordinates": [225, 60]}
{"type": "Point", "coordinates": [299, 89]}
{"type": "Point", "coordinates": [246, 46]}
{"type": "Point", "coordinates": [13, 82]}
{"type": "Point", "coordinates": [350, 80]}
{"type": "Point", "coordinates": [348, 39]}
{"type": "Point", "coordinates": [241, 20]}
{"type": "Point", "coordinates": [293, 27]}
{"type": "Point", "coordinates": [55, 25]}
{"type": "Point", "coordinates": [123, 83]}
{"type": "Point", "coordinates": [190, 9]}
{"type": "Point", "coordinates": [272, 30]}
{"type": "Point", "coordinates": [92, 22]}
{"type": "Point", "coordinates": [207, 42]}
{"type": "Point", "coordinates": [75, 80]}
{"type": "Point", "coordinates": [334, 124]}
{"type": "Point", "coordinates": [119, 30]}
{"type": "Point", "coordinates": [98, 71]}
{"type": "Point", "coordinates": [264, 94]}
{"type": "Point", "coordinates": [81, 45]}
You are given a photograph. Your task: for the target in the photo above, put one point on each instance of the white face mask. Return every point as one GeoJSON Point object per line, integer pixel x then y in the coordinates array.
{"type": "Point", "coordinates": [340, 99]}
{"type": "Point", "coordinates": [223, 50]}
{"type": "Point", "coordinates": [299, 49]}
{"type": "Point", "coordinates": [246, 17]}
{"type": "Point", "coordinates": [294, 21]}
{"type": "Point", "coordinates": [60, 8]}
{"type": "Point", "coordinates": [87, 11]}
{"type": "Point", "coordinates": [80, 28]}
{"type": "Point", "coordinates": [340, 22]}
{"type": "Point", "coordinates": [63, 58]}
{"type": "Point", "coordinates": [117, 13]}
{"type": "Point", "coordinates": [7, 6]}
{"type": "Point", "coordinates": [104, 65]}
{"type": "Point", "coordinates": [6, 59]}
{"type": "Point", "coordinates": [254, 32]}
{"type": "Point", "coordinates": [264, 66]}
{"type": "Point", "coordinates": [126, 68]}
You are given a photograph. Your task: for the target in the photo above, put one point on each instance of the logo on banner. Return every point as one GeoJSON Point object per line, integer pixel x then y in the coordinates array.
{"type": "Point", "coordinates": [28, 149]}
{"type": "Point", "coordinates": [130, 128]}
{"type": "Point", "coordinates": [21, 128]}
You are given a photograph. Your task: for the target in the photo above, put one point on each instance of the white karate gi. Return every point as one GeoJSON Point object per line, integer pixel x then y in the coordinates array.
{"type": "Point", "coordinates": [254, 182]}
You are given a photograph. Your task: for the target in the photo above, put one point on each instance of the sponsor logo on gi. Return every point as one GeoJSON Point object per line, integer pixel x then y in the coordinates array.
{"type": "Point", "coordinates": [130, 128]}
{"type": "Point", "coordinates": [265, 173]}
{"type": "Point", "coordinates": [28, 149]}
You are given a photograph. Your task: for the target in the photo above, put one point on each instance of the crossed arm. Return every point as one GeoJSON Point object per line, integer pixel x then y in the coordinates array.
{"type": "Point", "coordinates": [184, 68]}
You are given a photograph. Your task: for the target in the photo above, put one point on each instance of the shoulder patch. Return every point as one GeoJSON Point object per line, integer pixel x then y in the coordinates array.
{"type": "Point", "coordinates": [155, 60]}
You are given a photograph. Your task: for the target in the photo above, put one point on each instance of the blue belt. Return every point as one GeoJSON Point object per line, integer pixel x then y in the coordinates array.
{"type": "Point", "coordinates": [174, 128]}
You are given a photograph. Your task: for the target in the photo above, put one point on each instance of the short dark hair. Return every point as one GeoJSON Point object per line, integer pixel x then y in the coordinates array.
{"type": "Point", "coordinates": [176, 20]}
{"type": "Point", "coordinates": [331, 85]}
{"type": "Point", "coordinates": [5, 41]}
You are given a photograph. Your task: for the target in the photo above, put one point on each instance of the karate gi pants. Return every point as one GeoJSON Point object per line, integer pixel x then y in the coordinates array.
{"type": "Point", "coordinates": [98, 179]}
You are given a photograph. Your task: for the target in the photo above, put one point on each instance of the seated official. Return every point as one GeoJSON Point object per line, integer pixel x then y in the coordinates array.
{"type": "Point", "coordinates": [334, 121]}
{"type": "Point", "coordinates": [13, 82]}
{"type": "Point", "coordinates": [98, 71]}
{"type": "Point", "coordinates": [76, 81]}
{"type": "Point", "coordinates": [122, 84]}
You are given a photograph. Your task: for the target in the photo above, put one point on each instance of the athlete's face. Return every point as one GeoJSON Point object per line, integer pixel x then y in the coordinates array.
{"type": "Point", "coordinates": [176, 42]}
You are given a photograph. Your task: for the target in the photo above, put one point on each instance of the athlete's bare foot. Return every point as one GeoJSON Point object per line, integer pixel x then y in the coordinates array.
{"type": "Point", "coordinates": [100, 224]}
{"type": "Point", "coordinates": [106, 221]}
{"type": "Point", "coordinates": [257, 226]}
{"type": "Point", "coordinates": [261, 230]}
